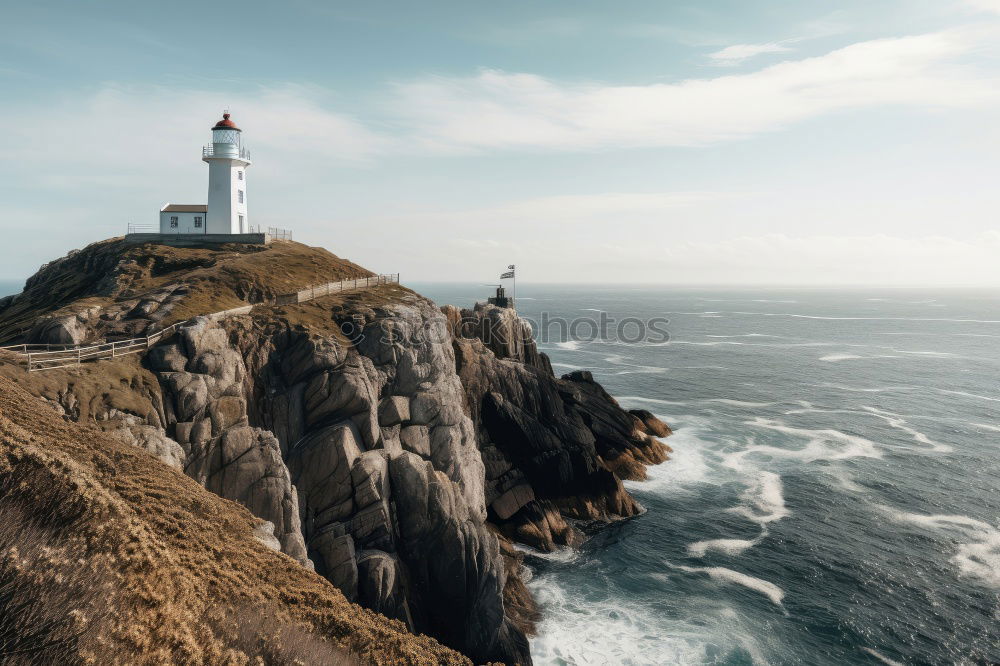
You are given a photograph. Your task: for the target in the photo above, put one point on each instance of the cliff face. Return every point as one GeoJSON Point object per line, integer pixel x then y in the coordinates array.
{"type": "Point", "coordinates": [551, 445]}
{"type": "Point", "coordinates": [108, 556]}
{"type": "Point", "coordinates": [392, 446]}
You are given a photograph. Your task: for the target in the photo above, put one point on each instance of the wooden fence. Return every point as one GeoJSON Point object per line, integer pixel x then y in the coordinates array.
{"type": "Point", "coordinates": [51, 356]}
{"type": "Point", "coordinates": [320, 290]}
{"type": "Point", "coordinates": [48, 356]}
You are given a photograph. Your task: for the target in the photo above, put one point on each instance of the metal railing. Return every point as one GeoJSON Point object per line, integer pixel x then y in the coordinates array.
{"type": "Point", "coordinates": [279, 233]}
{"type": "Point", "coordinates": [142, 228]}
{"type": "Point", "coordinates": [47, 356]}
{"type": "Point", "coordinates": [242, 153]}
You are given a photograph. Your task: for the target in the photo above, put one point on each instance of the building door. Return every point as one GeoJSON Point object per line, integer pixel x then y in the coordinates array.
{"type": "Point", "coordinates": [243, 229]}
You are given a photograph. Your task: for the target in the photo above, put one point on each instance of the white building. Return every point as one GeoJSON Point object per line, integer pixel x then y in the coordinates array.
{"type": "Point", "coordinates": [226, 212]}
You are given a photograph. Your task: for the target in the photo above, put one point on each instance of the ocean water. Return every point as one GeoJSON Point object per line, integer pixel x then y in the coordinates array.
{"type": "Point", "coordinates": [834, 492]}
{"type": "Point", "coordinates": [8, 287]}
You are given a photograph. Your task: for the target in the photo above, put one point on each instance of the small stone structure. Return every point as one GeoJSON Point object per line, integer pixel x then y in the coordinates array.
{"type": "Point", "coordinates": [501, 300]}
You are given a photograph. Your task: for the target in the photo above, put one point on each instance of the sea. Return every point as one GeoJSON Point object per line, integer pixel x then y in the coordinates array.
{"type": "Point", "coordinates": [8, 287]}
{"type": "Point", "coordinates": [833, 495]}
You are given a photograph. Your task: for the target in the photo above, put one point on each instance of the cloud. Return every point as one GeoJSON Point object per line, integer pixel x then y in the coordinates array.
{"type": "Point", "coordinates": [496, 109]}
{"type": "Point", "coordinates": [667, 237]}
{"type": "Point", "coordinates": [580, 207]}
{"type": "Point", "coordinates": [128, 134]}
{"type": "Point", "coordinates": [988, 6]}
{"type": "Point", "coordinates": [739, 53]}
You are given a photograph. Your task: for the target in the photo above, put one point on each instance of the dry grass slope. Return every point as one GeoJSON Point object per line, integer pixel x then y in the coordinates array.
{"type": "Point", "coordinates": [109, 557]}
{"type": "Point", "coordinates": [219, 277]}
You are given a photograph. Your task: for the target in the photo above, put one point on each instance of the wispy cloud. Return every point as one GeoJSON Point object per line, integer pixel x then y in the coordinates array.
{"type": "Point", "coordinates": [740, 53]}
{"type": "Point", "coordinates": [580, 207]}
{"type": "Point", "coordinates": [989, 6]}
{"type": "Point", "coordinates": [497, 109]}
{"type": "Point", "coordinates": [641, 237]}
{"type": "Point", "coordinates": [120, 132]}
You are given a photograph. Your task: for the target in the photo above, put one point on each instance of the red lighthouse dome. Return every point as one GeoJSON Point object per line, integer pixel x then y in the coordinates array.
{"type": "Point", "coordinates": [226, 123]}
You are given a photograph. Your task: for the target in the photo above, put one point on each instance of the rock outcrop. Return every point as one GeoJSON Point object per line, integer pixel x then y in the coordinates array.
{"type": "Point", "coordinates": [552, 446]}
{"type": "Point", "coordinates": [108, 556]}
{"type": "Point", "coordinates": [395, 447]}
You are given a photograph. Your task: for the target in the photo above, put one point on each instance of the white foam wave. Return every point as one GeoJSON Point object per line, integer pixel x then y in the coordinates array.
{"type": "Point", "coordinates": [687, 466]}
{"type": "Point", "coordinates": [733, 343]}
{"type": "Point", "coordinates": [839, 357]}
{"type": "Point", "coordinates": [968, 395]}
{"type": "Point", "coordinates": [740, 403]}
{"type": "Point", "coordinates": [724, 575]}
{"type": "Point", "coordinates": [825, 444]}
{"type": "Point", "coordinates": [802, 316]}
{"type": "Point", "coordinates": [751, 335]}
{"type": "Point", "coordinates": [932, 354]}
{"type": "Point", "coordinates": [986, 426]}
{"type": "Point", "coordinates": [873, 389]}
{"type": "Point", "coordinates": [764, 500]}
{"type": "Point", "coordinates": [577, 631]}
{"type": "Point", "coordinates": [633, 368]}
{"type": "Point", "coordinates": [654, 401]}
{"type": "Point", "coordinates": [727, 546]}
{"type": "Point", "coordinates": [562, 555]}
{"type": "Point", "coordinates": [897, 422]}
{"type": "Point", "coordinates": [881, 657]}
{"type": "Point", "coordinates": [977, 555]}
{"type": "Point", "coordinates": [571, 345]}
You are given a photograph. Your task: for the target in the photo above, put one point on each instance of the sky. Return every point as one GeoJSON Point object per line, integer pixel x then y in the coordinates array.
{"type": "Point", "coordinates": [729, 142]}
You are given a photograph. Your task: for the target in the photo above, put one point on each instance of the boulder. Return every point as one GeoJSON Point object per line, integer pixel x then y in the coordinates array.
{"type": "Point", "coordinates": [155, 441]}
{"type": "Point", "coordinates": [393, 410]}
{"type": "Point", "coordinates": [417, 439]}
{"type": "Point", "coordinates": [381, 586]}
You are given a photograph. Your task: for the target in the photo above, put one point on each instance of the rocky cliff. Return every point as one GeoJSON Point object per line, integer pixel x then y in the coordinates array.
{"type": "Point", "coordinates": [395, 447]}
{"type": "Point", "coordinates": [108, 556]}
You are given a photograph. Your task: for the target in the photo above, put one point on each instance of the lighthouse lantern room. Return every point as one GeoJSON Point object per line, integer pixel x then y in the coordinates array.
{"type": "Point", "coordinates": [226, 212]}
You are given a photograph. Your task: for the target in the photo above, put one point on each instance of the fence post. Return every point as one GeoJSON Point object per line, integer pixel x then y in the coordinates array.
{"type": "Point", "coordinates": [29, 361]}
{"type": "Point", "coordinates": [78, 359]}
{"type": "Point", "coordinates": [113, 349]}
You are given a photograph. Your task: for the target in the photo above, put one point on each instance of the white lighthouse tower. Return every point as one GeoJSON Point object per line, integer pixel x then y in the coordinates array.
{"type": "Point", "coordinates": [228, 160]}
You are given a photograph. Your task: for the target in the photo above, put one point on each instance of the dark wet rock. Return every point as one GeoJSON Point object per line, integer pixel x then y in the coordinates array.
{"type": "Point", "coordinates": [562, 438]}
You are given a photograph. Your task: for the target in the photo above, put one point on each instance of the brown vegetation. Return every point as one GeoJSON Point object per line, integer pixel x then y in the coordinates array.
{"type": "Point", "coordinates": [109, 556]}
{"type": "Point", "coordinates": [112, 272]}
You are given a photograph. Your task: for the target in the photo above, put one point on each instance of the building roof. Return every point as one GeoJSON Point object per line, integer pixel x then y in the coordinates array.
{"type": "Point", "coordinates": [226, 123]}
{"type": "Point", "coordinates": [184, 208]}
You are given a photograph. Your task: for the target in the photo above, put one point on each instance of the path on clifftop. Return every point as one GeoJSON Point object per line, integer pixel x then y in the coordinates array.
{"type": "Point", "coordinates": [48, 357]}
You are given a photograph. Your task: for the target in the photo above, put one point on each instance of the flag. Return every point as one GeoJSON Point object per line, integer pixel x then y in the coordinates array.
{"type": "Point", "coordinates": [508, 274]}
{"type": "Point", "coordinates": [511, 267]}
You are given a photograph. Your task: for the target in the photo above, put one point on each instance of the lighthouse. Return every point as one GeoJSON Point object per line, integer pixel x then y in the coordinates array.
{"type": "Point", "coordinates": [224, 218]}
{"type": "Point", "coordinates": [228, 160]}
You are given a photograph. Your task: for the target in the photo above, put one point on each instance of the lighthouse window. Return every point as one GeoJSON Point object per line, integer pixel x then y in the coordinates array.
{"type": "Point", "coordinates": [241, 196]}
{"type": "Point", "coordinates": [239, 174]}
{"type": "Point", "coordinates": [173, 221]}
{"type": "Point", "coordinates": [197, 220]}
